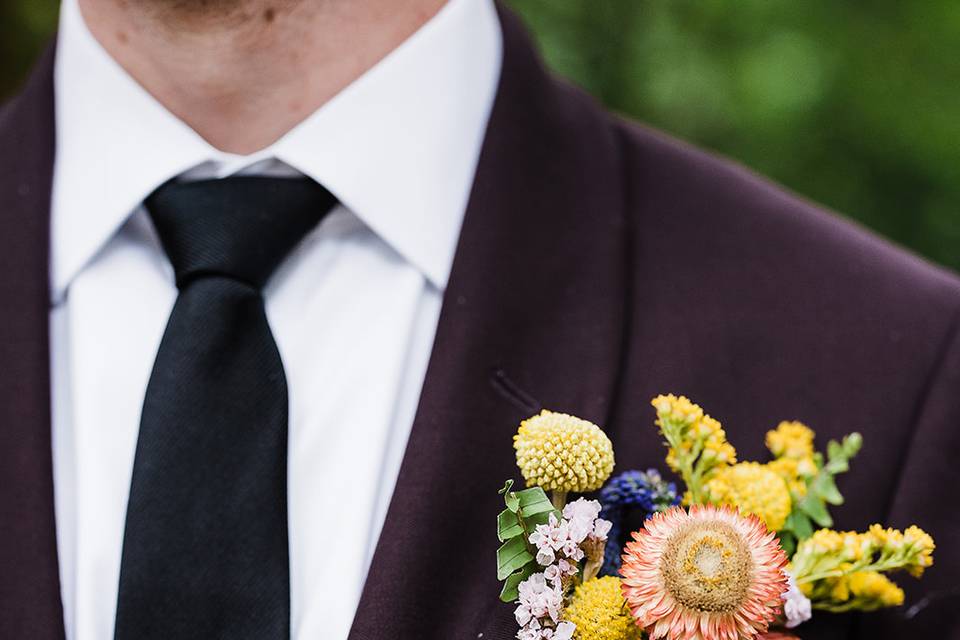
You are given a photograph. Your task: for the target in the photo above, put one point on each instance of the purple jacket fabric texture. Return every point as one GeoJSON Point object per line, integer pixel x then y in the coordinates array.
{"type": "Point", "coordinates": [600, 263]}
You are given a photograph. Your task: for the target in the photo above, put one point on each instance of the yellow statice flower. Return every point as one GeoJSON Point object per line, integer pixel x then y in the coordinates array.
{"type": "Point", "coordinates": [839, 589]}
{"type": "Point", "coordinates": [826, 541]}
{"type": "Point", "coordinates": [716, 449]}
{"type": "Point", "coordinates": [912, 549]}
{"type": "Point", "coordinates": [675, 454]}
{"type": "Point", "coordinates": [677, 409]}
{"type": "Point", "coordinates": [697, 443]}
{"type": "Point", "coordinates": [921, 547]}
{"type": "Point", "coordinates": [832, 551]}
{"type": "Point", "coordinates": [886, 538]}
{"type": "Point", "coordinates": [754, 488]}
{"type": "Point", "coordinates": [857, 591]}
{"type": "Point", "coordinates": [598, 610]}
{"type": "Point", "coordinates": [789, 470]}
{"type": "Point", "coordinates": [791, 440]}
{"type": "Point", "coordinates": [874, 590]}
{"type": "Point", "coordinates": [844, 570]}
{"type": "Point", "coordinates": [563, 453]}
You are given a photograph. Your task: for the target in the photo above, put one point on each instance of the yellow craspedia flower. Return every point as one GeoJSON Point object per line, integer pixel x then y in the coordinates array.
{"type": "Point", "coordinates": [755, 489]}
{"type": "Point", "coordinates": [597, 608]}
{"type": "Point", "coordinates": [791, 440]}
{"type": "Point", "coordinates": [559, 452]}
{"type": "Point", "coordinates": [874, 590]}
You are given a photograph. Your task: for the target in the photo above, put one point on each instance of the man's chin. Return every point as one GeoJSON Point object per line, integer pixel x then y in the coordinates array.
{"type": "Point", "coordinates": [204, 10]}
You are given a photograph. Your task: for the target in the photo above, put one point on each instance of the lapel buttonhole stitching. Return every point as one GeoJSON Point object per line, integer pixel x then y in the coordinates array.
{"type": "Point", "coordinates": [510, 391]}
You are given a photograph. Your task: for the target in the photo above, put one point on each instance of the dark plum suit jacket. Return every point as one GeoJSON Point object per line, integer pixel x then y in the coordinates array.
{"type": "Point", "coordinates": [600, 263]}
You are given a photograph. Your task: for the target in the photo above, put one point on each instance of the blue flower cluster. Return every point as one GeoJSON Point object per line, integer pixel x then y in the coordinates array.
{"type": "Point", "coordinates": [632, 492]}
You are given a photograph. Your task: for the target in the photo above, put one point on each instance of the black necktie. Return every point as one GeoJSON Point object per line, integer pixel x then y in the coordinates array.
{"type": "Point", "coordinates": [205, 545]}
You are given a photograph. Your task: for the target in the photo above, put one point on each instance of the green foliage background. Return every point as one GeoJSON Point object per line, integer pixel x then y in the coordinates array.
{"type": "Point", "coordinates": [855, 105]}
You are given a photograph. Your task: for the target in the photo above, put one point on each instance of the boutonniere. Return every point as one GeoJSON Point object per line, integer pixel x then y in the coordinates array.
{"type": "Point", "coordinates": [744, 550]}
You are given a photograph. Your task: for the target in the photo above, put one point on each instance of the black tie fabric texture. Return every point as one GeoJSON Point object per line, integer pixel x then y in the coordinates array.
{"type": "Point", "coordinates": [205, 551]}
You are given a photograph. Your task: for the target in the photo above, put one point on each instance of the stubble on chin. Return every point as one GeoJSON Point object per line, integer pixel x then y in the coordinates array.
{"type": "Point", "coordinates": [223, 13]}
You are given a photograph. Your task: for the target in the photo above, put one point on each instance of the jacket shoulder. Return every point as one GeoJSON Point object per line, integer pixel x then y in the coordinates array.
{"type": "Point", "coordinates": [747, 228]}
{"type": "Point", "coordinates": [6, 107]}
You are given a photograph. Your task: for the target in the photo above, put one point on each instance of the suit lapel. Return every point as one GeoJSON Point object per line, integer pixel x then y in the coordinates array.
{"type": "Point", "coordinates": [29, 580]}
{"type": "Point", "coordinates": [533, 314]}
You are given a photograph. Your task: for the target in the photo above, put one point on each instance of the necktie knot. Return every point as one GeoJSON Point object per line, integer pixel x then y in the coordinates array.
{"type": "Point", "coordinates": [240, 227]}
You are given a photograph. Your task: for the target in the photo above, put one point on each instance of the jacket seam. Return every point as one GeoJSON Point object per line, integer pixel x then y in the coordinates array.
{"type": "Point", "coordinates": [920, 407]}
{"type": "Point", "coordinates": [629, 277]}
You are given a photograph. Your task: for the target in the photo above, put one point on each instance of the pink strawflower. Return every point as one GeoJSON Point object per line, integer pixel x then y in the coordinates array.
{"type": "Point", "coordinates": [704, 574]}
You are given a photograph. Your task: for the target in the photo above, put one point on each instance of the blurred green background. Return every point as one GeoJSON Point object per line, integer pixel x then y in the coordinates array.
{"type": "Point", "coordinates": [855, 105]}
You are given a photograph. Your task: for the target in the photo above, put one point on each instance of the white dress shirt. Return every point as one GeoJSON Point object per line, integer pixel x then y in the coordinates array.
{"type": "Point", "coordinates": [353, 310]}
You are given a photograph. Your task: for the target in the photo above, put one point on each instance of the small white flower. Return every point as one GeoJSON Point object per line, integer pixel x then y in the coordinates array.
{"type": "Point", "coordinates": [564, 631]}
{"type": "Point", "coordinates": [552, 535]}
{"type": "Point", "coordinates": [796, 606]}
{"type": "Point", "coordinates": [573, 551]}
{"type": "Point", "coordinates": [540, 605]}
{"type": "Point", "coordinates": [582, 509]}
{"type": "Point", "coordinates": [567, 568]}
{"type": "Point", "coordinates": [545, 557]}
{"type": "Point", "coordinates": [553, 573]}
{"type": "Point", "coordinates": [539, 598]}
{"type": "Point", "coordinates": [522, 615]}
{"type": "Point", "coordinates": [601, 528]}
{"type": "Point", "coordinates": [581, 514]}
{"type": "Point", "coordinates": [540, 538]}
{"type": "Point", "coordinates": [531, 631]}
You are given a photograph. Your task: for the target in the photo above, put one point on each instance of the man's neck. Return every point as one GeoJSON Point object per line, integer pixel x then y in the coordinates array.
{"type": "Point", "coordinates": [242, 73]}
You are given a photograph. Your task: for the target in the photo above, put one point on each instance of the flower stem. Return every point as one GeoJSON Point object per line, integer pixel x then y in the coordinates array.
{"type": "Point", "coordinates": [559, 499]}
{"type": "Point", "coordinates": [591, 569]}
{"type": "Point", "coordinates": [839, 573]}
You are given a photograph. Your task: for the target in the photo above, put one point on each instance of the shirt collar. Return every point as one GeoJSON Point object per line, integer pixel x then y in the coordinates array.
{"type": "Point", "coordinates": [398, 147]}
